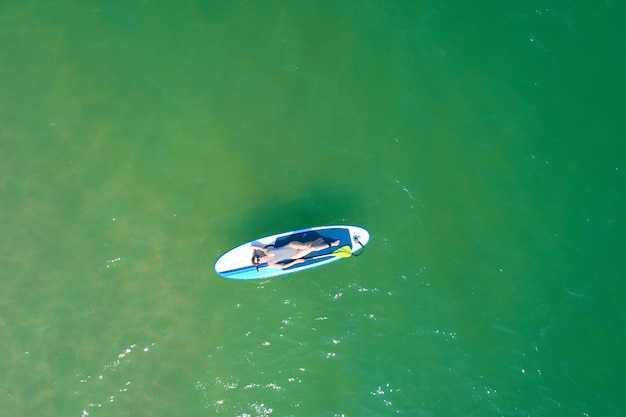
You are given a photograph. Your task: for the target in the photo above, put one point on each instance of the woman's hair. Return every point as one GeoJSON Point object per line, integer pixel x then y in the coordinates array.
{"type": "Point", "coordinates": [256, 259]}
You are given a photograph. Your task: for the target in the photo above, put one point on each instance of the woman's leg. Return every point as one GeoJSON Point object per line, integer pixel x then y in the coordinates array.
{"type": "Point", "coordinates": [301, 253]}
{"type": "Point", "coordinates": [305, 245]}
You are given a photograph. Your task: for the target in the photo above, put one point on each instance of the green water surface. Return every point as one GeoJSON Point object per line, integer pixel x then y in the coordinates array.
{"type": "Point", "coordinates": [480, 143]}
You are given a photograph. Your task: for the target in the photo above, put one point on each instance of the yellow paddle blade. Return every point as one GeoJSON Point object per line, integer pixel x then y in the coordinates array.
{"type": "Point", "coordinates": [342, 252]}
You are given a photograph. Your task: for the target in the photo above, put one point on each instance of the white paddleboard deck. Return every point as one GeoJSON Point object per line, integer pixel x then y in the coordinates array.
{"type": "Point", "coordinates": [237, 262]}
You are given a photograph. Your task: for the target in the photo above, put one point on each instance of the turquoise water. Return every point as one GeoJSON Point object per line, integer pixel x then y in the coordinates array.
{"type": "Point", "coordinates": [480, 144]}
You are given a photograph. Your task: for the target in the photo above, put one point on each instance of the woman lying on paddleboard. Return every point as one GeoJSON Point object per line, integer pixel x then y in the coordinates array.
{"type": "Point", "coordinates": [292, 251]}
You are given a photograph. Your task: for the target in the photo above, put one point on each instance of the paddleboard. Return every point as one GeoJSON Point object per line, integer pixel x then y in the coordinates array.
{"type": "Point", "coordinates": [237, 262]}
